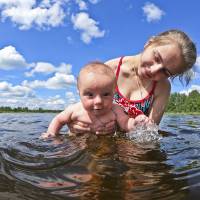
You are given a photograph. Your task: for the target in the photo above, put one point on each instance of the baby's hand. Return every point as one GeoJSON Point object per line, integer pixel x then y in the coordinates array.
{"type": "Point", "coordinates": [46, 135]}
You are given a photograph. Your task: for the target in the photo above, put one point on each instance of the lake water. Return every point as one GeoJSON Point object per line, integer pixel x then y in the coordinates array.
{"type": "Point", "coordinates": [100, 168]}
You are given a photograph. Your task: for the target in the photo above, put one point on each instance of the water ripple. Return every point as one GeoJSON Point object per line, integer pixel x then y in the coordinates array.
{"type": "Point", "coordinates": [166, 166]}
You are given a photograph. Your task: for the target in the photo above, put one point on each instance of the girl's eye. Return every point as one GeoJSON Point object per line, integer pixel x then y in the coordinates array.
{"type": "Point", "coordinates": [156, 57]}
{"type": "Point", "coordinates": [166, 72]}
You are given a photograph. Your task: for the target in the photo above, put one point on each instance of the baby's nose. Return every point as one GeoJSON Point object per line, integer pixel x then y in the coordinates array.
{"type": "Point", "coordinates": [98, 99]}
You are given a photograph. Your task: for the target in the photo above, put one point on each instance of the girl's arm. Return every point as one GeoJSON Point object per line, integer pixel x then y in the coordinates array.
{"type": "Point", "coordinates": [113, 63]}
{"type": "Point", "coordinates": [124, 121]}
{"type": "Point", "coordinates": [162, 93]}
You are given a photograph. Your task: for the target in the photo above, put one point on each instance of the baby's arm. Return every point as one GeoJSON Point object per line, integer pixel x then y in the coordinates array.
{"type": "Point", "coordinates": [125, 122]}
{"type": "Point", "coordinates": [58, 122]}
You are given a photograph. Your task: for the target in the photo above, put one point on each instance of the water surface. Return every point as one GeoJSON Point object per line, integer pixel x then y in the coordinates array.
{"type": "Point", "coordinates": [101, 168]}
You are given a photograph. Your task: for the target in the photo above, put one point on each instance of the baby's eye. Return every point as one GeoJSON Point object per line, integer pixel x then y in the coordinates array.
{"type": "Point", "coordinates": [106, 94]}
{"type": "Point", "coordinates": [89, 94]}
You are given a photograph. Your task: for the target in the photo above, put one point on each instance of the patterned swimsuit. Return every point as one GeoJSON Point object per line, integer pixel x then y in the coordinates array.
{"type": "Point", "coordinates": [133, 107]}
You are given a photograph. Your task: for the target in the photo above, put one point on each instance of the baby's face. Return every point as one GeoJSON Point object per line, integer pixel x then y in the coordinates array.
{"type": "Point", "coordinates": [96, 93]}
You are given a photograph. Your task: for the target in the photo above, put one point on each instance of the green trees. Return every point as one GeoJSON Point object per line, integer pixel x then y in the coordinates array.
{"type": "Point", "coordinates": [24, 109]}
{"type": "Point", "coordinates": [182, 103]}
{"type": "Point", "coordinates": [178, 103]}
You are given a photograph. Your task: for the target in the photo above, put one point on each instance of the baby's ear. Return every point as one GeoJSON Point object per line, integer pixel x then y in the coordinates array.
{"type": "Point", "coordinates": [150, 41]}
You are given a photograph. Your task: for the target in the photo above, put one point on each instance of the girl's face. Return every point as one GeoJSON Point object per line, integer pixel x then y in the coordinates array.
{"type": "Point", "coordinates": [160, 62]}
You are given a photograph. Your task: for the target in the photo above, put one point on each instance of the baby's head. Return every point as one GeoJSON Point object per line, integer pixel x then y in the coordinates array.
{"type": "Point", "coordinates": [98, 74]}
{"type": "Point", "coordinates": [96, 85]}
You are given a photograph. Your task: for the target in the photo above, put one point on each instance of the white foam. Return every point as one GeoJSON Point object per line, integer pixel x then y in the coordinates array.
{"type": "Point", "coordinates": [145, 134]}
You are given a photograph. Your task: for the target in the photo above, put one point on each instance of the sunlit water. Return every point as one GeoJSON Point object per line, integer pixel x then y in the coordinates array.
{"type": "Point", "coordinates": [166, 166]}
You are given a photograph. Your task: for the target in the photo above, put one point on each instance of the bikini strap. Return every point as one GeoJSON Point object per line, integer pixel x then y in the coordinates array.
{"type": "Point", "coordinates": [118, 67]}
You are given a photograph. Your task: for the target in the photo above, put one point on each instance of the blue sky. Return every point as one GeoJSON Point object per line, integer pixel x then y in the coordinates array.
{"type": "Point", "coordinates": [43, 44]}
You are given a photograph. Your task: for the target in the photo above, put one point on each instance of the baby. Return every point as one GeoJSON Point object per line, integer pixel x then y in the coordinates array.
{"type": "Point", "coordinates": [96, 85]}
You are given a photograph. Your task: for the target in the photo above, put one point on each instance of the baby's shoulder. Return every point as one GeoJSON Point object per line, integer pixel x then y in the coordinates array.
{"type": "Point", "coordinates": [73, 107]}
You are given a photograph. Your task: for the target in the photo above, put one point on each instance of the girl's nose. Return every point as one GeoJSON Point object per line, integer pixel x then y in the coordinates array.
{"type": "Point", "coordinates": [155, 68]}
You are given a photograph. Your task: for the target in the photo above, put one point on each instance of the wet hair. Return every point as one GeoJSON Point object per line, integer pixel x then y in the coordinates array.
{"type": "Point", "coordinates": [97, 67]}
{"type": "Point", "coordinates": [187, 47]}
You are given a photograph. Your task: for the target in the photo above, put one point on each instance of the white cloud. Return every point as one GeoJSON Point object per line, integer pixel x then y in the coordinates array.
{"type": "Point", "coordinates": [94, 1]}
{"type": "Point", "coordinates": [82, 5]}
{"type": "Point", "coordinates": [48, 68]}
{"type": "Point", "coordinates": [8, 90]}
{"type": "Point", "coordinates": [55, 102]}
{"type": "Point", "coordinates": [69, 40]}
{"type": "Point", "coordinates": [17, 3]}
{"type": "Point", "coordinates": [51, 103]}
{"type": "Point", "coordinates": [59, 81]}
{"type": "Point", "coordinates": [10, 59]}
{"type": "Point", "coordinates": [26, 14]}
{"type": "Point", "coordinates": [197, 65]}
{"type": "Point", "coordinates": [87, 26]}
{"type": "Point", "coordinates": [152, 12]}
{"type": "Point", "coordinates": [193, 87]}
{"type": "Point", "coordinates": [71, 97]}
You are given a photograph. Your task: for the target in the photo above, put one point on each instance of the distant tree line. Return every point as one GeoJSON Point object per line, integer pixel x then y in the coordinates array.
{"type": "Point", "coordinates": [178, 103]}
{"type": "Point", "coordinates": [181, 103]}
{"type": "Point", "coordinates": [25, 109]}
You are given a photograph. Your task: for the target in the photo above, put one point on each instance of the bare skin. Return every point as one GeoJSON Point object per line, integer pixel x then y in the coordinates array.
{"type": "Point", "coordinates": [96, 108]}
{"type": "Point", "coordinates": [155, 63]}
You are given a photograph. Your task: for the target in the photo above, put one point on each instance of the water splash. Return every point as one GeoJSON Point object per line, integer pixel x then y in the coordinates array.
{"type": "Point", "coordinates": [145, 134]}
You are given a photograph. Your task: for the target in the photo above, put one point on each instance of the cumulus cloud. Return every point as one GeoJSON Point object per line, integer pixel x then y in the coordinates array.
{"type": "Point", "coordinates": [71, 97]}
{"type": "Point", "coordinates": [51, 103]}
{"type": "Point", "coordinates": [152, 12]}
{"type": "Point", "coordinates": [27, 14]}
{"type": "Point", "coordinates": [94, 1]}
{"type": "Point", "coordinates": [82, 5]}
{"type": "Point", "coordinates": [193, 87]}
{"type": "Point", "coordinates": [8, 90]}
{"type": "Point", "coordinates": [58, 81]}
{"type": "Point", "coordinates": [10, 59]}
{"type": "Point", "coordinates": [87, 26]}
{"type": "Point", "coordinates": [48, 68]}
{"type": "Point", "coordinates": [197, 65]}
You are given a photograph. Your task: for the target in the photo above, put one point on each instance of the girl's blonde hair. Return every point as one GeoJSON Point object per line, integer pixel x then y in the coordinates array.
{"type": "Point", "coordinates": [188, 50]}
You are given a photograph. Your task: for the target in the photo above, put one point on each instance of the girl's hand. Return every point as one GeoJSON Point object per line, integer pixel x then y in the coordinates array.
{"type": "Point", "coordinates": [79, 127]}
{"type": "Point", "coordinates": [107, 128]}
{"type": "Point", "coordinates": [143, 119]}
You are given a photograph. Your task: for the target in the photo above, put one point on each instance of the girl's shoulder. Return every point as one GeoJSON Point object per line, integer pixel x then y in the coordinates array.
{"type": "Point", "coordinates": [113, 63]}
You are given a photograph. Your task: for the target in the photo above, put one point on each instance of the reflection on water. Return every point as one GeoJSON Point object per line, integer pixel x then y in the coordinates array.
{"type": "Point", "coordinates": [103, 167]}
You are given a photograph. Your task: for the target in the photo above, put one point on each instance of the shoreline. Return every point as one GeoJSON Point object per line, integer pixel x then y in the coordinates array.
{"type": "Point", "coordinates": [57, 111]}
